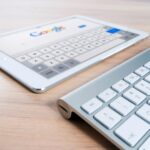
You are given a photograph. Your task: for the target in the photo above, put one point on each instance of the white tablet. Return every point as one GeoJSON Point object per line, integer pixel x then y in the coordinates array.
{"type": "Point", "coordinates": [43, 55]}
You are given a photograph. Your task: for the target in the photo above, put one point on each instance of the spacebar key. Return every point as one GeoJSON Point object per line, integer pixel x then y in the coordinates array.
{"type": "Point", "coordinates": [99, 50]}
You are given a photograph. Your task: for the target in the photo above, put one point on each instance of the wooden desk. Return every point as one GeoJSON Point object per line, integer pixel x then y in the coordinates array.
{"type": "Point", "coordinates": [30, 121]}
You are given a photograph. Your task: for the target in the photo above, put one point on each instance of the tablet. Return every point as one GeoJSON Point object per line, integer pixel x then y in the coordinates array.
{"type": "Point", "coordinates": [43, 55]}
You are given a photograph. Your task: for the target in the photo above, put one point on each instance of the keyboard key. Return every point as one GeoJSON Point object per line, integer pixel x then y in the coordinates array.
{"type": "Point", "coordinates": [144, 112]}
{"type": "Point", "coordinates": [80, 50]}
{"type": "Point", "coordinates": [64, 43]}
{"type": "Point", "coordinates": [122, 106]}
{"type": "Point", "coordinates": [142, 71]}
{"type": "Point", "coordinates": [47, 56]}
{"type": "Point", "coordinates": [71, 63]}
{"type": "Point", "coordinates": [83, 42]}
{"type": "Point", "coordinates": [45, 50]}
{"type": "Point", "coordinates": [62, 58]}
{"type": "Point", "coordinates": [143, 86]}
{"type": "Point", "coordinates": [145, 145]}
{"type": "Point", "coordinates": [147, 65]}
{"type": "Point", "coordinates": [35, 61]}
{"type": "Point", "coordinates": [147, 78]}
{"type": "Point", "coordinates": [89, 47]}
{"type": "Point", "coordinates": [132, 78]}
{"type": "Point", "coordinates": [132, 130]}
{"type": "Point", "coordinates": [51, 63]}
{"type": "Point", "coordinates": [134, 96]}
{"type": "Point", "coordinates": [108, 117]}
{"type": "Point", "coordinates": [73, 40]}
{"type": "Point", "coordinates": [57, 52]}
{"type": "Point", "coordinates": [76, 45]}
{"type": "Point", "coordinates": [113, 30]}
{"type": "Point", "coordinates": [92, 105]}
{"type": "Point", "coordinates": [67, 48]}
{"type": "Point", "coordinates": [34, 54]}
{"type": "Point", "coordinates": [49, 73]}
{"type": "Point", "coordinates": [96, 43]}
{"type": "Point", "coordinates": [55, 46]}
{"type": "Point", "coordinates": [91, 39]}
{"type": "Point", "coordinates": [71, 54]}
{"type": "Point", "coordinates": [120, 86]}
{"type": "Point", "coordinates": [60, 68]}
{"type": "Point", "coordinates": [39, 68]}
{"type": "Point", "coordinates": [107, 95]}
{"type": "Point", "coordinates": [23, 58]}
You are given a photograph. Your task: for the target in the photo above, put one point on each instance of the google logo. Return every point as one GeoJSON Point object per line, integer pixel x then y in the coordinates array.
{"type": "Point", "coordinates": [54, 29]}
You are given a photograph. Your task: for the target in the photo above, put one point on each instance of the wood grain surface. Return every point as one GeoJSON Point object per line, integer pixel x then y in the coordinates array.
{"type": "Point", "coordinates": [31, 121]}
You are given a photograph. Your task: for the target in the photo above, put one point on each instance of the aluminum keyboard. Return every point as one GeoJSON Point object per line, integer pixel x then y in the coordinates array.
{"type": "Point", "coordinates": [117, 104]}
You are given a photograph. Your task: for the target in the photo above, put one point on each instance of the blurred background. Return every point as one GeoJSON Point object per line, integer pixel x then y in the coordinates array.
{"type": "Point", "coordinates": [21, 13]}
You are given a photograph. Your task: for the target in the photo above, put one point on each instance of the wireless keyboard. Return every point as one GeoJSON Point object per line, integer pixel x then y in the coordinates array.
{"type": "Point", "coordinates": [116, 104]}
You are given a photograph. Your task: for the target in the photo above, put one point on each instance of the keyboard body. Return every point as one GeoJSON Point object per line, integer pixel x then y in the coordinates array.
{"type": "Point", "coordinates": [116, 104]}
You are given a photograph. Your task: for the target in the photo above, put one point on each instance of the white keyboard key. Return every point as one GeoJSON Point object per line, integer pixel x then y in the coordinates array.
{"type": "Point", "coordinates": [81, 50]}
{"type": "Point", "coordinates": [134, 96]}
{"type": "Point", "coordinates": [147, 78]}
{"type": "Point", "coordinates": [55, 46]}
{"type": "Point", "coordinates": [120, 86]}
{"type": "Point", "coordinates": [34, 54]}
{"type": "Point", "coordinates": [92, 105]}
{"type": "Point", "coordinates": [45, 50]}
{"type": "Point", "coordinates": [143, 86]}
{"type": "Point", "coordinates": [64, 43]}
{"type": "Point", "coordinates": [23, 58]}
{"type": "Point", "coordinates": [62, 58]}
{"type": "Point", "coordinates": [35, 61]}
{"type": "Point", "coordinates": [47, 56]}
{"type": "Point", "coordinates": [67, 48]}
{"type": "Point", "coordinates": [141, 71]}
{"type": "Point", "coordinates": [107, 95]}
{"type": "Point", "coordinates": [89, 47]}
{"type": "Point", "coordinates": [147, 65]}
{"type": "Point", "coordinates": [132, 78]}
{"type": "Point", "coordinates": [83, 42]}
{"type": "Point", "coordinates": [97, 43]}
{"type": "Point", "coordinates": [144, 112]}
{"type": "Point", "coordinates": [132, 130]}
{"type": "Point", "coordinates": [99, 50]}
{"type": "Point", "coordinates": [73, 40]}
{"type": "Point", "coordinates": [76, 45]}
{"type": "Point", "coordinates": [51, 63]}
{"type": "Point", "coordinates": [123, 106]}
{"type": "Point", "coordinates": [71, 54]}
{"type": "Point", "coordinates": [145, 145]}
{"type": "Point", "coordinates": [91, 39]}
{"type": "Point", "coordinates": [57, 52]}
{"type": "Point", "coordinates": [108, 117]}
{"type": "Point", "coordinates": [104, 41]}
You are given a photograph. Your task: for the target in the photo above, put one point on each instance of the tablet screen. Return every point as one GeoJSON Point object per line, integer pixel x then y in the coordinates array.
{"type": "Point", "coordinates": [53, 48]}
{"type": "Point", "coordinates": [19, 42]}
